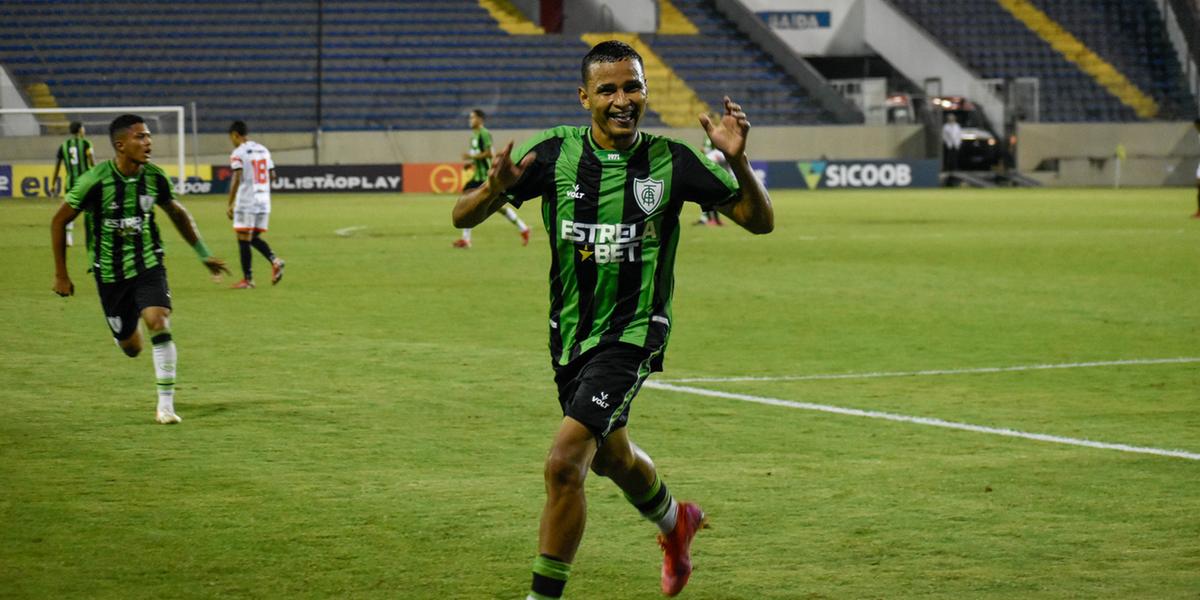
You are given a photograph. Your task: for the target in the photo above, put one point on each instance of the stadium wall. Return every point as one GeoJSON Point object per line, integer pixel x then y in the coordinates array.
{"type": "Point", "coordinates": [1084, 154]}
{"type": "Point", "coordinates": [1070, 154]}
{"type": "Point", "coordinates": [378, 147]}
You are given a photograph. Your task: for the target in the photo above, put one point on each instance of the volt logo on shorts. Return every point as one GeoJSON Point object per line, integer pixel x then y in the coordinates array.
{"type": "Point", "coordinates": [601, 401]}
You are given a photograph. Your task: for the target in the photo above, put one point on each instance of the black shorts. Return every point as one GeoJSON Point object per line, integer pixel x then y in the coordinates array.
{"type": "Point", "coordinates": [597, 388]}
{"type": "Point", "coordinates": [124, 301]}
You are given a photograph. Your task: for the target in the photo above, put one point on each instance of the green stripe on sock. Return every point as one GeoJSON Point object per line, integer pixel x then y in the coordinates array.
{"type": "Point", "coordinates": [648, 495]}
{"type": "Point", "coordinates": [548, 567]}
{"type": "Point", "coordinates": [162, 382]}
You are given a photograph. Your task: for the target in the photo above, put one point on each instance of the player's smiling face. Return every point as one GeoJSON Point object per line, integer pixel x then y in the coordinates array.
{"type": "Point", "coordinates": [615, 94]}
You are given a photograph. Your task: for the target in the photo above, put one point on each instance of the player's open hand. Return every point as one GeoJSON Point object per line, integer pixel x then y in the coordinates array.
{"type": "Point", "coordinates": [63, 286]}
{"type": "Point", "coordinates": [216, 266]}
{"type": "Point", "coordinates": [729, 133]}
{"type": "Point", "coordinates": [503, 173]}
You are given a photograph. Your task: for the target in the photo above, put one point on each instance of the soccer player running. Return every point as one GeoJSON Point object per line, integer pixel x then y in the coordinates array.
{"type": "Point", "coordinates": [76, 154]}
{"type": "Point", "coordinates": [480, 156]}
{"type": "Point", "coordinates": [118, 198]}
{"type": "Point", "coordinates": [611, 199]}
{"type": "Point", "coordinates": [250, 202]}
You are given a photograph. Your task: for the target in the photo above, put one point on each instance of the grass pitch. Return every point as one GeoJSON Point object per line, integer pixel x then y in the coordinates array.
{"type": "Point", "coordinates": [374, 426]}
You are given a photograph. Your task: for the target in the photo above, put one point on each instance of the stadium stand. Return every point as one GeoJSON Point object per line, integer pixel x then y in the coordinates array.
{"type": "Point", "coordinates": [1129, 34]}
{"type": "Point", "coordinates": [718, 61]}
{"type": "Point", "coordinates": [383, 65]}
{"type": "Point", "coordinates": [422, 64]}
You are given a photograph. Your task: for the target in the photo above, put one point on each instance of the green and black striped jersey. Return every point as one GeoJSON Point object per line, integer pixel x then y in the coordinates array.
{"type": "Point", "coordinates": [122, 238]}
{"type": "Point", "coordinates": [481, 142]}
{"type": "Point", "coordinates": [613, 221]}
{"type": "Point", "coordinates": [76, 157]}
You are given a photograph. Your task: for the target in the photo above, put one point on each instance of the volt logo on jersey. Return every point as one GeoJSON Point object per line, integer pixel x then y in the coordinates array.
{"type": "Point", "coordinates": [601, 400]}
{"type": "Point", "coordinates": [575, 194]}
{"type": "Point", "coordinates": [649, 193]}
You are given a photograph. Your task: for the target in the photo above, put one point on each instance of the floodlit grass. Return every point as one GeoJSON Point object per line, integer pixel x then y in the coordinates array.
{"type": "Point", "coordinates": [374, 426]}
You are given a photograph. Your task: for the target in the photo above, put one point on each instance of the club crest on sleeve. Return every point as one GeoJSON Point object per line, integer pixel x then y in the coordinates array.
{"type": "Point", "coordinates": [146, 202]}
{"type": "Point", "coordinates": [649, 193]}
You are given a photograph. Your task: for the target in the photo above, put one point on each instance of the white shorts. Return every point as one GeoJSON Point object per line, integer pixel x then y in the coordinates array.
{"type": "Point", "coordinates": [250, 221]}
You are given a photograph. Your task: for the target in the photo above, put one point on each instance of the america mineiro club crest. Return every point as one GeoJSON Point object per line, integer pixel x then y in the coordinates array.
{"type": "Point", "coordinates": [648, 193]}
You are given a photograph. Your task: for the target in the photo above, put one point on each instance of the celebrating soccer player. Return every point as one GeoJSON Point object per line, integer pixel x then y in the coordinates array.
{"type": "Point", "coordinates": [611, 198]}
{"type": "Point", "coordinates": [118, 198]}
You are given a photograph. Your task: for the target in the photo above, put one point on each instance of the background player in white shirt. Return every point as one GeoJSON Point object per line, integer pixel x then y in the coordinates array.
{"type": "Point", "coordinates": [250, 201]}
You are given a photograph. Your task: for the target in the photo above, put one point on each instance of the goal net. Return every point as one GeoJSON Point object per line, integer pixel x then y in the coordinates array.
{"type": "Point", "coordinates": [30, 139]}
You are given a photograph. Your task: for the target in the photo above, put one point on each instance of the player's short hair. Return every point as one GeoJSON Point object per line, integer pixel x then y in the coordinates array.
{"type": "Point", "coordinates": [479, 113]}
{"type": "Point", "coordinates": [75, 127]}
{"type": "Point", "coordinates": [608, 52]}
{"type": "Point", "coordinates": [238, 127]}
{"type": "Point", "coordinates": [122, 124]}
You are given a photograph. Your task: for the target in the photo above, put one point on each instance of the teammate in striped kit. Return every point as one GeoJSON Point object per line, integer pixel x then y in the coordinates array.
{"type": "Point", "coordinates": [118, 199]}
{"type": "Point", "coordinates": [250, 202]}
{"type": "Point", "coordinates": [611, 201]}
{"type": "Point", "coordinates": [76, 155]}
{"type": "Point", "coordinates": [480, 155]}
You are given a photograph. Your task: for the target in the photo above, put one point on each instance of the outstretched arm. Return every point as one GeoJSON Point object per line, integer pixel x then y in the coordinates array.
{"type": "Point", "coordinates": [187, 228]}
{"type": "Point", "coordinates": [752, 210]}
{"type": "Point", "coordinates": [58, 243]}
{"type": "Point", "coordinates": [475, 205]}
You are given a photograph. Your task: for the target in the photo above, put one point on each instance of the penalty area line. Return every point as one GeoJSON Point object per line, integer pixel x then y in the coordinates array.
{"type": "Point", "coordinates": [875, 375]}
{"type": "Point", "coordinates": [870, 414]}
{"type": "Point", "coordinates": [349, 231]}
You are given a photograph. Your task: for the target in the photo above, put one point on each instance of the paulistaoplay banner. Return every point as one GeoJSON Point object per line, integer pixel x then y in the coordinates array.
{"type": "Point", "coordinates": [325, 179]}
{"type": "Point", "coordinates": [852, 174]}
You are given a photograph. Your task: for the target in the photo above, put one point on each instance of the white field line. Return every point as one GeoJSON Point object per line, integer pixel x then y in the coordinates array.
{"type": "Point", "coordinates": [348, 231]}
{"type": "Point", "coordinates": [878, 374]}
{"type": "Point", "coordinates": [854, 412]}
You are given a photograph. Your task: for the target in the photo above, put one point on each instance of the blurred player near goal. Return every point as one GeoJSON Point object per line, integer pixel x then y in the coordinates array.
{"type": "Point", "coordinates": [76, 155]}
{"type": "Point", "coordinates": [1196, 124]}
{"type": "Point", "coordinates": [712, 217]}
{"type": "Point", "coordinates": [118, 198]}
{"type": "Point", "coordinates": [480, 156]}
{"type": "Point", "coordinates": [250, 202]}
{"type": "Point", "coordinates": [612, 197]}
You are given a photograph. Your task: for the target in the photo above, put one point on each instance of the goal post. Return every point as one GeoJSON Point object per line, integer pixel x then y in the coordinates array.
{"type": "Point", "coordinates": [168, 120]}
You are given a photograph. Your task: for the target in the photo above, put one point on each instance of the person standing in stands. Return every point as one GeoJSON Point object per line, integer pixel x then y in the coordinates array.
{"type": "Point", "coordinates": [480, 156]}
{"type": "Point", "coordinates": [76, 155]}
{"type": "Point", "coordinates": [951, 141]}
